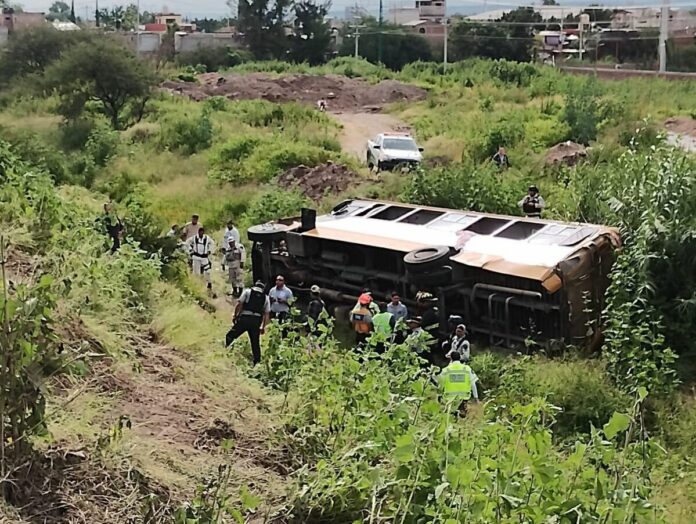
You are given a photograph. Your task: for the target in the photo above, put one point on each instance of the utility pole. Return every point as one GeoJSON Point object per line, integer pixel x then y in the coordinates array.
{"type": "Point", "coordinates": [96, 12]}
{"type": "Point", "coordinates": [444, 49]}
{"type": "Point", "coordinates": [664, 30]}
{"type": "Point", "coordinates": [379, 35]}
{"type": "Point", "coordinates": [137, 28]}
{"type": "Point", "coordinates": [356, 35]}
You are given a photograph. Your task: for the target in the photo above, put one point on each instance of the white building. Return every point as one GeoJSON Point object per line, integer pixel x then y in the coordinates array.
{"type": "Point", "coordinates": [428, 10]}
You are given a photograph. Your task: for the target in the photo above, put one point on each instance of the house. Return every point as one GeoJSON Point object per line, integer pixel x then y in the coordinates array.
{"type": "Point", "coordinates": [168, 19]}
{"type": "Point", "coordinates": [680, 20]}
{"type": "Point", "coordinates": [429, 10]}
{"type": "Point", "coordinates": [16, 21]}
{"type": "Point", "coordinates": [432, 31]}
{"type": "Point", "coordinates": [546, 11]}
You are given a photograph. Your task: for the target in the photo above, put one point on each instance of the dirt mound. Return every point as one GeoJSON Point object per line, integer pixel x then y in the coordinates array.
{"type": "Point", "coordinates": [682, 125]}
{"type": "Point", "coordinates": [315, 182]}
{"type": "Point", "coordinates": [340, 92]}
{"type": "Point", "coordinates": [214, 435]}
{"type": "Point", "coordinates": [568, 153]}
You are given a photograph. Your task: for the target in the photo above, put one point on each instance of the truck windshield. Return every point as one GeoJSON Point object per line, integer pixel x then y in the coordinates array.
{"type": "Point", "coordinates": [402, 144]}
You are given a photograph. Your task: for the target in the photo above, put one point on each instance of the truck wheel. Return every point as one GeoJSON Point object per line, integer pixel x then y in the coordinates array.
{"type": "Point", "coordinates": [425, 259]}
{"type": "Point", "coordinates": [267, 232]}
{"type": "Point", "coordinates": [370, 163]}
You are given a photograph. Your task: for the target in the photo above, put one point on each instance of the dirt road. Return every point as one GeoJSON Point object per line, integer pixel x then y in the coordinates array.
{"type": "Point", "coordinates": [359, 127]}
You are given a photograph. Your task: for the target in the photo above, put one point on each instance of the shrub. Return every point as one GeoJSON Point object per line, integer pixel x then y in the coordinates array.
{"type": "Point", "coordinates": [463, 186]}
{"type": "Point", "coordinates": [248, 158]}
{"type": "Point", "coordinates": [518, 73]}
{"type": "Point", "coordinates": [75, 133]}
{"type": "Point", "coordinates": [102, 143]}
{"type": "Point", "coordinates": [187, 135]}
{"type": "Point", "coordinates": [38, 153]}
{"type": "Point", "coordinates": [541, 133]}
{"type": "Point", "coordinates": [213, 58]}
{"type": "Point", "coordinates": [141, 132]}
{"type": "Point", "coordinates": [582, 111]}
{"type": "Point", "coordinates": [271, 205]}
{"type": "Point", "coordinates": [580, 388]}
{"type": "Point", "coordinates": [503, 133]}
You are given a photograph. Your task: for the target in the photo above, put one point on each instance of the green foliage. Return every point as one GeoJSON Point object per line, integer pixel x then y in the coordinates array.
{"type": "Point", "coordinates": [32, 50]}
{"type": "Point", "coordinates": [102, 143]}
{"type": "Point", "coordinates": [381, 446]}
{"type": "Point", "coordinates": [463, 186]}
{"type": "Point", "coordinates": [581, 111]}
{"type": "Point", "coordinates": [272, 204]}
{"type": "Point", "coordinates": [398, 48]}
{"type": "Point", "coordinates": [187, 134]}
{"type": "Point", "coordinates": [250, 158]}
{"type": "Point", "coordinates": [29, 351]}
{"type": "Point", "coordinates": [311, 37]}
{"type": "Point", "coordinates": [213, 58]}
{"type": "Point", "coordinates": [103, 71]}
{"type": "Point", "coordinates": [542, 133]}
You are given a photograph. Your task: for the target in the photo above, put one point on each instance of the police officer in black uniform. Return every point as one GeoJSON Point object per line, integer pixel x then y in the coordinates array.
{"type": "Point", "coordinates": [533, 203]}
{"type": "Point", "coordinates": [251, 315]}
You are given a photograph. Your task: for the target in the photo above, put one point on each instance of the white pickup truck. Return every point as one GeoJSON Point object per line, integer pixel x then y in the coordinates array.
{"type": "Point", "coordinates": [388, 150]}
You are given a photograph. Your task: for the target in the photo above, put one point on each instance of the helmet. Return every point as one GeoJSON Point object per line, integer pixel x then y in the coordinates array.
{"type": "Point", "coordinates": [533, 188]}
{"type": "Point", "coordinates": [314, 289]}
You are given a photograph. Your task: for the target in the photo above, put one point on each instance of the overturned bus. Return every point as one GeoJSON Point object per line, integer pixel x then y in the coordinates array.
{"type": "Point", "coordinates": [512, 279]}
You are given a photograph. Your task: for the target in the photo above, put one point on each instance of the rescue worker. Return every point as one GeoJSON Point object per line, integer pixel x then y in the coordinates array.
{"type": "Point", "coordinates": [316, 311]}
{"type": "Point", "coordinates": [501, 159]}
{"type": "Point", "coordinates": [533, 203]}
{"type": "Point", "coordinates": [361, 318]}
{"type": "Point", "coordinates": [200, 248]}
{"type": "Point", "coordinates": [251, 315]}
{"type": "Point", "coordinates": [230, 233]}
{"type": "Point", "coordinates": [452, 322]}
{"type": "Point", "coordinates": [384, 326]}
{"type": "Point", "coordinates": [396, 308]}
{"type": "Point", "coordinates": [417, 340]}
{"type": "Point", "coordinates": [372, 305]}
{"type": "Point", "coordinates": [173, 232]}
{"type": "Point", "coordinates": [459, 344]}
{"type": "Point", "coordinates": [281, 297]}
{"type": "Point", "coordinates": [113, 226]}
{"type": "Point", "coordinates": [458, 383]}
{"type": "Point", "coordinates": [431, 319]}
{"type": "Point", "coordinates": [321, 105]}
{"type": "Point", "coordinates": [191, 229]}
{"type": "Point", "coordinates": [234, 261]}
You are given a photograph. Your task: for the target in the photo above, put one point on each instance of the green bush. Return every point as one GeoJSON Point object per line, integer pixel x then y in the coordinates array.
{"type": "Point", "coordinates": [38, 154]}
{"type": "Point", "coordinates": [213, 58]}
{"type": "Point", "coordinates": [102, 143]}
{"type": "Point", "coordinates": [504, 133]}
{"type": "Point", "coordinates": [581, 389]}
{"type": "Point", "coordinates": [463, 186]}
{"type": "Point", "coordinates": [250, 158]}
{"type": "Point", "coordinates": [261, 113]}
{"type": "Point", "coordinates": [582, 111]}
{"type": "Point", "coordinates": [271, 205]}
{"type": "Point", "coordinates": [187, 134]}
{"type": "Point", "coordinates": [75, 133]}
{"type": "Point", "coordinates": [541, 133]}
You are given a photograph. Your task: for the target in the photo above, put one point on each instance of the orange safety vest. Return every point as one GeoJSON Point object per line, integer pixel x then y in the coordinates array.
{"type": "Point", "coordinates": [362, 320]}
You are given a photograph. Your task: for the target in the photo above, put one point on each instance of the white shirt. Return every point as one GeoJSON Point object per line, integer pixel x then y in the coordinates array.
{"type": "Point", "coordinates": [460, 345]}
{"type": "Point", "coordinates": [231, 233]}
{"type": "Point", "coordinates": [280, 299]}
{"type": "Point", "coordinates": [201, 247]}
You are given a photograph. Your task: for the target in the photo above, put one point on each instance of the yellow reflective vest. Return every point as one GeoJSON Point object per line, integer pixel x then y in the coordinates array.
{"type": "Point", "coordinates": [456, 381]}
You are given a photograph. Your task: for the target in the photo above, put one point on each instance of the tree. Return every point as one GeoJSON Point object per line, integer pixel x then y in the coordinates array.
{"type": "Point", "coordinates": [312, 34]}
{"type": "Point", "coordinates": [32, 50]}
{"type": "Point", "coordinates": [262, 25]}
{"type": "Point", "coordinates": [72, 11]}
{"type": "Point", "coordinates": [549, 2]}
{"type": "Point", "coordinates": [104, 72]}
{"type": "Point", "coordinates": [209, 25]}
{"type": "Point", "coordinates": [398, 47]}
{"type": "Point", "coordinates": [512, 40]}
{"type": "Point", "coordinates": [122, 18]}
{"type": "Point", "coordinates": [58, 11]}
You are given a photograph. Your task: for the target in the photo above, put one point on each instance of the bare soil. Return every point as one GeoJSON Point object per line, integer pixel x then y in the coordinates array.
{"type": "Point", "coordinates": [682, 125]}
{"type": "Point", "coordinates": [568, 153]}
{"type": "Point", "coordinates": [341, 93]}
{"type": "Point", "coordinates": [318, 181]}
{"type": "Point", "coordinates": [359, 127]}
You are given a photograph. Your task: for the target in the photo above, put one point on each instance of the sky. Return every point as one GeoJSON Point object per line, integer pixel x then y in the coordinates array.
{"type": "Point", "coordinates": [218, 8]}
